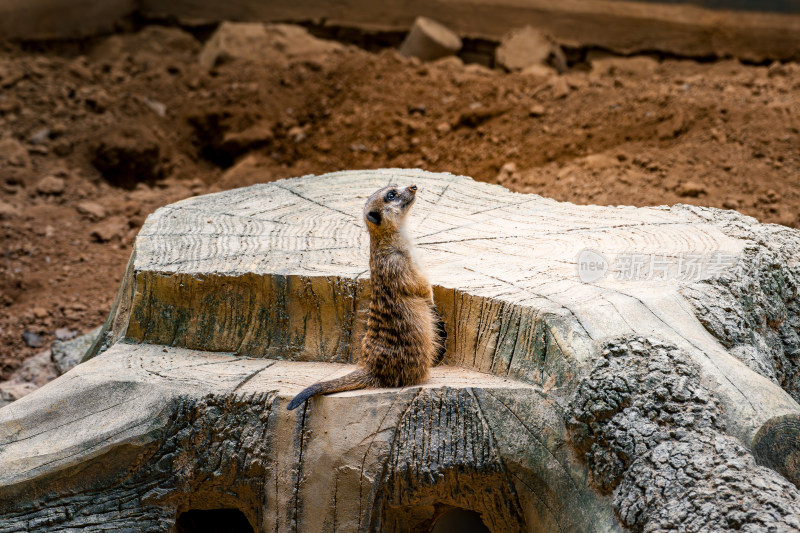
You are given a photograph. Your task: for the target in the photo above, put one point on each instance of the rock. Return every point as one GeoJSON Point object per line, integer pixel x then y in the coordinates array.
{"type": "Point", "coordinates": [57, 129]}
{"type": "Point", "coordinates": [475, 69]}
{"type": "Point", "coordinates": [443, 127]}
{"type": "Point", "coordinates": [600, 161]}
{"type": "Point", "coordinates": [197, 186]}
{"type": "Point", "coordinates": [109, 230]}
{"type": "Point", "coordinates": [479, 114]}
{"type": "Point", "coordinates": [236, 143]}
{"type": "Point", "coordinates": [614, 65]}
{"type": "Point", "coordinates": [66, 354]}
{"type": "Point", "coordinates": [95, 98]}
{"type": "Point", "coordinates": [508, 172]}
{"type": "Point", "coordinates": [787, 70]}
{"type": "Point", "coordinates": [539, 71]}
{"type": "Point", "coordinates": [127, 155]}
{"type": "Point", "coordinates": [41, 135]}
{"type": "Point", "coordinates": [323, 145]}
{"type": "Point", "coordinates": [40, 312]}
{"type": "Point", "coordinates": [672, 126]}
{"type": "Point", "coordinates": [251, 169]}
{"type": "Point", "coordinates": [91, 209]}
{"type": "Point", "coordinates": [11, 391]}
{"type": "Point", "coordinates": [37, 370]}
{"type": "Point", "coordinates": [51, 185]}
{"type": "Point", "coordinates": [62, 147]}
{"type": "Point", "coordinates": [152, 41]}
{"type": "Point", "coordinates": [297, 134]}
{"type": "Point", "coordinates": [16, 176]}
{"type": "Point", "coordinates": [449, 63]}
{"type": "Point", "coordinates": [524, 47]}
{"type": "Point", "coordinates": [691, 189]}
{"type": "Point", "coordinates": [274, 44]}
{"type": "Point", "coordinates": [32, 339]}
{"type": "Point", "coordinates": [80, 69]}
{"type": "Point", "coordinates": [429, 40]}
{"type": "Point", "coordinates": [10, 75]}
{"type": "Point", "coordinates": [159, 108]}
{"type": "Point", "coordinates": [730, 203]}
{"type": "Point", "coordinates": [8, 211]}
{"type": "Point", "coordinates": [536, 110]}
{"type": "Point", "coordinates": [39, 149]}
{"type": "Point", "coordinates": [73, 309]}
{"type": "Point", "coordinates": [560, 87]}
{"type": "Point", "coordinates": [34, 372]}
{"type": "Point", "coordinates": [65, 334]}
{"type": "Point", "coordinates": [9, 104]}
{"type": "Point", "coordinates": [5, 398]}
{"type": "Point", "coordinates": [13, 153]}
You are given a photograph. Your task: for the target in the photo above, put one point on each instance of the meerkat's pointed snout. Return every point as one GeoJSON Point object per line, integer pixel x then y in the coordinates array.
{"type": "Point", "coordinates": [407, 197]}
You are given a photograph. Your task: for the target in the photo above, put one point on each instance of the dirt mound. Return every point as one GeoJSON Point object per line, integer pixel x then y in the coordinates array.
{"type": "Point", "coordinates": [127, 155]}
{"type": "Point", "coordinates": [134, 121]}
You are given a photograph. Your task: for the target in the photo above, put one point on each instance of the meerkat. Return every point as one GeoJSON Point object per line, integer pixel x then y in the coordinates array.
{"type": "Point", "coordinates": [404, 334]}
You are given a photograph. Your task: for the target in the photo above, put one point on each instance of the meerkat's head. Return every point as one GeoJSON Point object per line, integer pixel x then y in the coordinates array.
{"type": "Point", "coordinates": [385, 211]}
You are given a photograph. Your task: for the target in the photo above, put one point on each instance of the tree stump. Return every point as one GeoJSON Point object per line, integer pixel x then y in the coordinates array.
{"type": "Point", "coordinates": [583, 341]}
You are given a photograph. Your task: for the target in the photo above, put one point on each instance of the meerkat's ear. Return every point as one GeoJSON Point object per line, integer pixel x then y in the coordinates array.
{"type": "Point", "coordinates": [374, 217]}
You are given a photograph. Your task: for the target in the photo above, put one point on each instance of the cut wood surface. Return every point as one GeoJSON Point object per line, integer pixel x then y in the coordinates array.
{"type": "Point", "coordinates": [213, 430]}
{"type": "Point", "coordinates": [274, 279]}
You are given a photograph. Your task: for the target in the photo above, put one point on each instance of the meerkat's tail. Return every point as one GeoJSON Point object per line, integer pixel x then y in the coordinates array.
{"type": "Point", "coordinates": [358, 379]}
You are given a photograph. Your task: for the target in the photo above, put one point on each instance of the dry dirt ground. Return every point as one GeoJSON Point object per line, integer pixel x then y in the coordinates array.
{"type": "Point", "coordinates": [97, 134]}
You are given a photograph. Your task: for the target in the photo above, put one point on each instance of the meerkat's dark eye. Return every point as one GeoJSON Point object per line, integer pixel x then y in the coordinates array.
{"type": "Point", "coordinates": [391, 195]}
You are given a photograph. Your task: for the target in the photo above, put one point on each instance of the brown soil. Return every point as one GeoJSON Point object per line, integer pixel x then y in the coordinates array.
{"type": "Point", "coordinates": [139, 108]}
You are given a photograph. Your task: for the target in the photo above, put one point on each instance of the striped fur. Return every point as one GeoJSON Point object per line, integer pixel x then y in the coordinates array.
{"type": "Point", "coordinates": [402, 338]}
